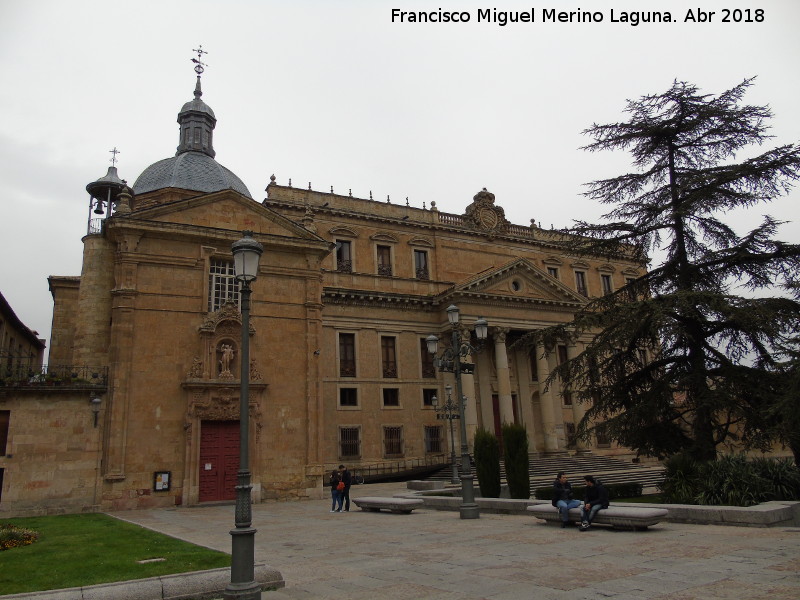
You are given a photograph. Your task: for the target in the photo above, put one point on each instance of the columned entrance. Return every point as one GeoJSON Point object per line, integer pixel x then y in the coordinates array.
{"type": "Point", "coordinates": [219, 460]}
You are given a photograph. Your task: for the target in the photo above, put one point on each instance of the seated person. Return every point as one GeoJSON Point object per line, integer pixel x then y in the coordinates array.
{"type": "Point", "coordinates": [562, 498]}
{"type": "Point", "coordinates": [596, 499]}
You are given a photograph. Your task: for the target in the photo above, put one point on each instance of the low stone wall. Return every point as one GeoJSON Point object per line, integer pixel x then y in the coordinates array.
{"type": "Point", "coordinates": [767, 514]}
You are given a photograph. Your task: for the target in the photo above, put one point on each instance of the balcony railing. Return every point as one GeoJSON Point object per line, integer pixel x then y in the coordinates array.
{"type": "Point", "coordinates": [46, 376]}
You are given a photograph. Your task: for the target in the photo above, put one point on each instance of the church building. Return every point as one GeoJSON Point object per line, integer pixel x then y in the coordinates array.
{"type": "Point", "coordinates": [347, 293]}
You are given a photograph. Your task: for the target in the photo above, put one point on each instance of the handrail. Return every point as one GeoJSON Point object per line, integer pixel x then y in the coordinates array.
{"type": "Point", "coordinates": [48, 375]}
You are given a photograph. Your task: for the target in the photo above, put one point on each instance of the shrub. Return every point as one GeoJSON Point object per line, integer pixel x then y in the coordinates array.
{"type": "Point", "coordinates": [680, 480]}
{"type": "Point", "coordinates": [12, 536]}
{"type": "Point", "coordinates": [731, 481]}
{"type": "Point", "coordinates": [782, 475]}
{"type": "Point", "coordinates": [515, 454]}
{"type": "Point", "coordinates": [487, 463]}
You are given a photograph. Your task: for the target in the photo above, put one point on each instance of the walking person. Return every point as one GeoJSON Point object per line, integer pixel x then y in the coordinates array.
{"type": "Point", "coordinates": [596, 500]}
{"type": "Point", "coordinates": [347, 479]}
{"type": "Point", "coordinates": [336, 493]}
{"type": "Point", "coordinates": [562, 498]}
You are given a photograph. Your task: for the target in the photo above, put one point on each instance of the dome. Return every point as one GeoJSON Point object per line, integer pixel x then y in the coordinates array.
{"type": "Point", "coordinates": [197, 105]}
{"type": "Point", "coordinates": [189, 171]}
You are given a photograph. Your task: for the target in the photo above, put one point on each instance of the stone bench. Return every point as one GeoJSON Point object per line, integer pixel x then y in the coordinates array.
{"type": "Point", "coordinates": [395, 505]}
{"type": "Point", "coordinates": [619, 517]}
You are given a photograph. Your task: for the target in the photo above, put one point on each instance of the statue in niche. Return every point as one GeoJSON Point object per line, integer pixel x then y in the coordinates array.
{"type": "Point", "coordinates": [225, 361]}
{"type": "Point", "coordinates": [255, 374]}
{"type": "Point", "coordinates": [196, 372]}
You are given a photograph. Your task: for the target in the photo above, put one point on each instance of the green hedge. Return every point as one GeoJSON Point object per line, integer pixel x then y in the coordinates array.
{"type": "Point", "coordinates": [487, 463]}
{"type": "Point", "coordinates": [515, 455]}
{"type": "Point", "coordinates": [615, 490]}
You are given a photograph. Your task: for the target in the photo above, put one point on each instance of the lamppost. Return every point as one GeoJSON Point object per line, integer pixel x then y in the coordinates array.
{"type": "Point", "coordinates": [450, 361]}
{"type": "Point", "coordinates": [449, 411]}
{"type": "Point", "coordinates": [243, 586]}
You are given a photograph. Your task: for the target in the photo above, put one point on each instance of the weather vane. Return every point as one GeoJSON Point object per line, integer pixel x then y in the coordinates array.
{"type": "Point", "coordinates": [114, 153]}
{"type": "Point", "coordinates": [199, 65]}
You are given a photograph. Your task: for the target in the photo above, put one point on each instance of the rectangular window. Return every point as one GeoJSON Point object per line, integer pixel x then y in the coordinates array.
{"type": "Point", "coordinates": [602, 437]}
{"type": "Point", "coordinates": [222, 284]}
{"type": "Point", "coordinates": [433, 439]}
{"type": "Point", "coordinates": [605, 281]}
{"type": "Point", "coordinates": [392, 441]}
{"type": "Point", "coordinates": [580, 283]}
{"type": "Point", "coordinates": [427, 396]}
{"type": "Point", "coordinates": [566, 398]}
{"type": "Point", "coordinates": [348, 397]}
{"type": "Point", "coordinates": [385, 261]}
{"type": "Point", "coordinates": [426, 358]}
{"type": "Point", "coordinates": [388, 356]}
{"type": "Point", "coordinates": [344, 259]}
{"type": "Point", "coordinates": [569, 430]}
{"type": "Point", "coordinates": [421, 264]}
{"type": "Point", "coordinates": [5, 419]}
{"type": "Point", "coordinates": [347, 355]}
{"type": "Point", "coordinates": [349, 442]}
{"type": "Point", "coordinates": [534, 365]}
{"type": "Point", "coordinates": [391, 397]}
{"type": "Point", "coordinates": [553, 272]}
{"type": "Point", "coordinates": [562, 354]}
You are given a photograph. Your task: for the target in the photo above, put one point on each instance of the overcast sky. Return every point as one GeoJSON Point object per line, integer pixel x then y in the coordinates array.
{"type": "Point", "coordinates": [336, 94]}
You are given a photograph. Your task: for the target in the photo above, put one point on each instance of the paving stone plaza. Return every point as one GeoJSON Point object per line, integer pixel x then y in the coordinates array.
{"type": "Point", "coordinates": [434, 555]}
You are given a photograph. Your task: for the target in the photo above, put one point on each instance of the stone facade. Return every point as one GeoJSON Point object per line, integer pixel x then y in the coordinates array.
{"type": "Point", "coordinates": [347, 291]}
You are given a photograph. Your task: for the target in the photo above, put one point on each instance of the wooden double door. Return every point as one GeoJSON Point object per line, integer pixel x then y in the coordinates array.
{"type": "Point", "coordinates": [219, 460]}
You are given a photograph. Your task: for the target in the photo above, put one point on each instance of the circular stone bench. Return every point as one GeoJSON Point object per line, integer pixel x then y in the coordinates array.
{"type": "Point", "coordinates": [395, 505]}
{"type": "Point", "coordinates": [619, 517]}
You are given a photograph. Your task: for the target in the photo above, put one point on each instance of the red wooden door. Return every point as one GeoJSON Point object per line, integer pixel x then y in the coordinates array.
{"type": "Point", "coordinates": [219, 460]}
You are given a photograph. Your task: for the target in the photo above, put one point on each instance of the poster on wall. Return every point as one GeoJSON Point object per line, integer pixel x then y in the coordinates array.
{"type": "Point", "coordinates": [161, 481]}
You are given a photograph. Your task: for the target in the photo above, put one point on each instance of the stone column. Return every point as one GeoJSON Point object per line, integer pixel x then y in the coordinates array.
{"type": "Point", "coordinates": [503, 375]}
{"type": "Point", "coordinates": [546, 401]}
{"type": "Point", "coordinates": [578, 408]}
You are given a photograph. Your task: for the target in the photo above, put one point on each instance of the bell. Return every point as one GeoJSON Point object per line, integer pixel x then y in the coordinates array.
{"type": "Point", "coordinates": [98, 208]}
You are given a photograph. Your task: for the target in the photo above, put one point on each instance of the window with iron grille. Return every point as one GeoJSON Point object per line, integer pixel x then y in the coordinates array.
{"type": "Point", "coordinates": [580, 283]}
{"type": "Point", "coordinates": [344, 259]}
{"type": "Point", "coordinates": [392, 441]}
{"type": "Point", "coordinates": [349, 442]}
{"type": "Point", "coordinates": [605, 282]}
{"type": "Point", "coordinates": [385, 260]}
{"type": "Point", "coordinates": [428, 370]}
{"type": "Point", "coordinates": [348, 397]}
{"type": "Point", "coordinates": [433, 439]}
{"type": "Point", "coordinates": [421, 264]}
{"type": "Point", "coordinates": [569, 429]}
{"type": "Point", "coordinates": [389, 356]}
{"type": "Point", "coordinates": [391, 397]}
{"type": "Point", "coordinates": [427, 396]}
{"type": "Point", "coordinates": [347, 355]}
{"type": "Point", "coordinates": [222, 284]}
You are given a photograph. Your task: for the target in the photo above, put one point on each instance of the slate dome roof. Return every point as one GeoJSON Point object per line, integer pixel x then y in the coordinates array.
{"type": "Point", "coordinates": [194, 171]}
{"type": "Point", "coordinates": [193, 167]}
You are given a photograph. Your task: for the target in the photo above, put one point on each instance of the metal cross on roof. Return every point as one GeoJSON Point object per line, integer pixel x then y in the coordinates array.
{"type": "Point", "coordinates": [199, 65]}
{"type": "Point", "coordinates": [114, 153]}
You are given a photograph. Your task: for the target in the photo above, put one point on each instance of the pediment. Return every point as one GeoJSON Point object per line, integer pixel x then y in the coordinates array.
{"type": "Point", "coordinates": [226, 210]}
{"type": "Point", "coordinates": [519, 280]}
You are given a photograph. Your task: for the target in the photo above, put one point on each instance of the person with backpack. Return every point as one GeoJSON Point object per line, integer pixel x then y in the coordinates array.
{"type": "Point", "coordinates": [596, 500]}
{"type": "Point", "coordinates": [347, 479]}
{"type": "Point", "coordinates": [337, 487]}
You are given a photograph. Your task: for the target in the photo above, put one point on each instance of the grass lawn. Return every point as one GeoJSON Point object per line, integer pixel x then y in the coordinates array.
{"type": "Point", "coordinates": [86, 549]}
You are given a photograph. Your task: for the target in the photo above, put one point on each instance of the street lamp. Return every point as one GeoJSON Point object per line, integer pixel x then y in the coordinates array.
{"type": "Point", "coordinates": [243, 586]}
{"type": "Point", "coordinates": [449, 411]}
{"type": "Point", "coordinates": [450, 361]}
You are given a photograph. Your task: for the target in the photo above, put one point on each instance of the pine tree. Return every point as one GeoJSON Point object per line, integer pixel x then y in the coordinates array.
{"type": "Point", "coordinates": [681, 351]}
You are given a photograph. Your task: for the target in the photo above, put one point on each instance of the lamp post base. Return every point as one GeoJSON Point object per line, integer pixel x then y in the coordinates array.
{"type": "Point", "coordinates": [469, 508]}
